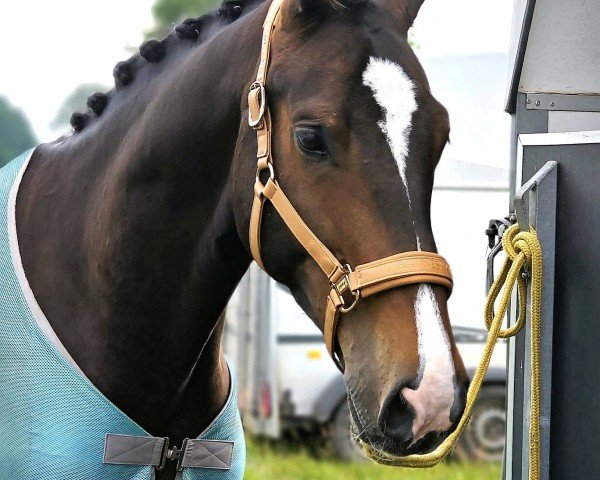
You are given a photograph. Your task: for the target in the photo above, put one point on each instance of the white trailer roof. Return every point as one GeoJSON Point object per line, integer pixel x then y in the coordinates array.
{"type": "Point", "coordinates": [554, 48]}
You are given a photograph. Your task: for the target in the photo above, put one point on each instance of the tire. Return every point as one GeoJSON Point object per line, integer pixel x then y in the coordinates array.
{"type": "Point", "coordinates": [483, 438]}
{"type": "Point", "coordinates": [343, 446]}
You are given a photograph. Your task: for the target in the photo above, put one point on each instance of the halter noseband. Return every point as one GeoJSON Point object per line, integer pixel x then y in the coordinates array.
{"type": "Point", "coordinates": [347, 286]}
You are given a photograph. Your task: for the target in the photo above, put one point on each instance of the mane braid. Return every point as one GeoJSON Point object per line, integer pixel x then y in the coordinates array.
{"type": "Point", "coordinates": [195, 30]}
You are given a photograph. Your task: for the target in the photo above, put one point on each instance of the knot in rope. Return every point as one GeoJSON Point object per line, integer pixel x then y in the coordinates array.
{"type": "Point", "coordinates": [523, 250]}
{"type": "Point", "coordinates": [514, 242]}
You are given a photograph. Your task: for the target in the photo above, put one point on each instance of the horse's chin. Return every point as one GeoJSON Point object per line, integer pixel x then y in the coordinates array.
{"type": "Point", "coordinates": [378, 456]}
{"type": "Point", "coordinates": [377, 453]}
{"type": "Point", "coordinates": [371, 451]}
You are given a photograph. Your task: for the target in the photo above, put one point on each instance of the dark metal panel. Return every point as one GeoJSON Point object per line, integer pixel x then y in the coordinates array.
{"type": "Point", "coordinates": [575, 394]}
{"type": "Point", "coordinates": [523, 121]}
{"type": "Point", "coordinates": [535, 206]}
{"type": "Point", "coordinates": [529, 121]}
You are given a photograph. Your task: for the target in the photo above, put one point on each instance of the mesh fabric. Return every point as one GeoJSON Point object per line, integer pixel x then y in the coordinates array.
{"type": "Point", "coordinates": [52, 419]}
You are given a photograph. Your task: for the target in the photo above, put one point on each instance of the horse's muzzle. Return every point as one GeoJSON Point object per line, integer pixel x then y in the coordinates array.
{"type": "Point", "coordinates": [400, 430]}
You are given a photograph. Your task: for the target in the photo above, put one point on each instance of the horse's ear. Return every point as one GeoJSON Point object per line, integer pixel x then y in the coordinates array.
{"type": "Point", "coordinates": [404, 12]}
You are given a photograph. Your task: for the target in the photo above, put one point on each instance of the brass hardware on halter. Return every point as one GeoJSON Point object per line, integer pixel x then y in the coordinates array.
{"type": "Point", "coordinates": [342, 286]}
{"type": "Point", "coordinates": [260, 170]}
{"type": "Point", "coordinates": [257, 99]}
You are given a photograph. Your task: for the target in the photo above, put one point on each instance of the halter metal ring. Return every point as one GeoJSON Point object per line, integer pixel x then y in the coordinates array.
{"type": "Point", "coordinates": [253, 122]}
{"type": "Point", "coordinates": [343, 309]}
{"type": "Point", "coordinates": [271, 172]}
{"type": "Point", "coordinates": [343, 285]}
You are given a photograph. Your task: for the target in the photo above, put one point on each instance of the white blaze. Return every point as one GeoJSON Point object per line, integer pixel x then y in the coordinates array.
{"type": "Point", "coordinates": [434, 396]}
{"type": "Point", "coordinates": [394, 91]}
{"type": "Point", "coordinates": [432, 401]}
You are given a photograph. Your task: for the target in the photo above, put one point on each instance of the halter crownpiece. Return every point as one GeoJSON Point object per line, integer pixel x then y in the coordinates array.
{"type": "Point", "coordinates": [348, 286]}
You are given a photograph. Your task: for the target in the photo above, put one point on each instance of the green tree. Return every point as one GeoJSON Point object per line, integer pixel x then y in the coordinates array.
{"type": "Point", "coordinates": [75, 102]}
{"type": "Point", "coordinates": [168, 12]}
{"type": "Point", "coordinates": [16, 135]}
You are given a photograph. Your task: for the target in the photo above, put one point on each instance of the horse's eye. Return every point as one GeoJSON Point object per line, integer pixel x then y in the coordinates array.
{"type": "Point", "coordinates": [312, 141]}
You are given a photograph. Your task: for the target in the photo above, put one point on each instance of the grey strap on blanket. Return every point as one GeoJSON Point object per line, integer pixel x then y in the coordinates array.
{"type": "Point", "coordinates": [155, 451]}
{"type": "Point", "coordinates": [133, 450]}
{"type": "Point", "coordinates": [216, 455]}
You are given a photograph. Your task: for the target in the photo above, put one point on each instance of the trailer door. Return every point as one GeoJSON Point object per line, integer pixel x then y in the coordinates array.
{"type": "Point", "coordinates": [564, 207]}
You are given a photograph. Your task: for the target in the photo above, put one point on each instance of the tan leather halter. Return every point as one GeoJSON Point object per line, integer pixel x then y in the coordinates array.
{"type": "Point", "coordinates": [347, 286]}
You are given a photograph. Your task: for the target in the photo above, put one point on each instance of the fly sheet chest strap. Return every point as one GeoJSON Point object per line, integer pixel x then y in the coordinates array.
{"type": "Point", "coordinates": [348, 286]}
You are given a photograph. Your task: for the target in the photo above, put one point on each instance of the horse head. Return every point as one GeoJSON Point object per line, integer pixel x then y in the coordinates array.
{"type": "Point", "coordinates": [356, 137]}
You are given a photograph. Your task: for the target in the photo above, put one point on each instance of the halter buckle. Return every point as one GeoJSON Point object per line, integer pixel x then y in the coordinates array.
{"type": "Point", "coordinates": [342, 286]}
{"type": "Point", "coordinates": [257, 99]}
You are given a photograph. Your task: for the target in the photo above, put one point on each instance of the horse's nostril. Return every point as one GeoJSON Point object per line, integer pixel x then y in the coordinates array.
{"type": "Point", "coordinates": [396, 416]}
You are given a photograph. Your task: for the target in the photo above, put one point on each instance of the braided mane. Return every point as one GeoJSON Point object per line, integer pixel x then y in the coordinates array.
{"type": "Point", "coordinates": [192, 30]}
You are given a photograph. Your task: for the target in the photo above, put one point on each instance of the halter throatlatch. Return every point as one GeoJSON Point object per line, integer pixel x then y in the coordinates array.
{"type": "Point", "coordinates": [348, 286]}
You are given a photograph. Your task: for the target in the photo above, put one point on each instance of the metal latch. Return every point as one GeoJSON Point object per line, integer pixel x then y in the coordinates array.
{"type": "Point", "coordinates": [494, 232]}
{"type": "Point", "coordinates": [174, 454]}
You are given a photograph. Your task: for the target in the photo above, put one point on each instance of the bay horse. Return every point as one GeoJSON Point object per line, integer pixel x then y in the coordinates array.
{"type": "Point", "coordinates": [133, 231]}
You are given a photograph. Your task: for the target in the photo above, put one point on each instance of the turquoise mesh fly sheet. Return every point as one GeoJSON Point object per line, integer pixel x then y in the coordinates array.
{"type": "Point", "coordinates": [53, 421]}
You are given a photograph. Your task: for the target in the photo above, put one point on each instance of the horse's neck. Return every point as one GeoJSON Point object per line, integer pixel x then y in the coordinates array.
{"type": "Point", "coordinates": [133, 255]}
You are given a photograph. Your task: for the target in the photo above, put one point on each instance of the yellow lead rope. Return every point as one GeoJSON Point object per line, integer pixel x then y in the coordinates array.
{"type": "Point", "coordinates": [523, 251]}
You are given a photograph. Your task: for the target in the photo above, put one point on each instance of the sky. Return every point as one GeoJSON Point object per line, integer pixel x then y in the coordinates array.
{"type": "Point", "coordinates": [50, 47]}
{"type": "Point", "coordinates": [461, 27]}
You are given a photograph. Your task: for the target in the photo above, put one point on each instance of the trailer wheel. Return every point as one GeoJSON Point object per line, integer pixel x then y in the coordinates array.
{"type": "Point", "coordinates": [483, 438]}
{"type": "Point", "coordinates": [343, 446]}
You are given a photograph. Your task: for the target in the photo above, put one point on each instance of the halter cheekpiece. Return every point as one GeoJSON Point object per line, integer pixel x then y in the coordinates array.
{"type": "Point", "coordinates": [348, 286]}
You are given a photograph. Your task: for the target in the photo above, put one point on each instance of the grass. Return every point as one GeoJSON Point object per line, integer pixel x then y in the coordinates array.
{"type": "Point", "coordinates": [292, 461]}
